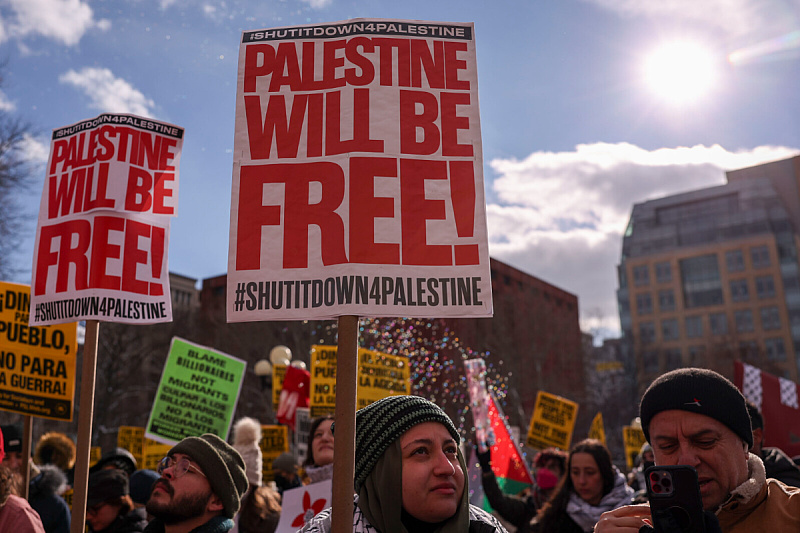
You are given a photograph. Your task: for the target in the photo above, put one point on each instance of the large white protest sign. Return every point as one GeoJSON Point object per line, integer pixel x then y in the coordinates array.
{"type": "Point", "coordinates": [103, 232]}
{"type": "Point", "coordinates": [358, 173]}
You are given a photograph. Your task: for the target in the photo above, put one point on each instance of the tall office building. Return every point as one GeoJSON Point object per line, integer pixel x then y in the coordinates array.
{"type": "Point", "coordinates": [712, 275]}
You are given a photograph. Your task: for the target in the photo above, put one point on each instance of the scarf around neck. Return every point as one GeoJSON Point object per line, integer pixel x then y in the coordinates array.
{"type": "Point", "coordinates": [587, 515]}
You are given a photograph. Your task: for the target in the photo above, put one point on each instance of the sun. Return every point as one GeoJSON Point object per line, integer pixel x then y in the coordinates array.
{"type": "Point", "coordinates": [680, 72]}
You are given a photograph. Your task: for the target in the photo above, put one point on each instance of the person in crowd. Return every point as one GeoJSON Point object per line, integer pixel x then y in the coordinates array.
{"type": "Point", "coordinates": [644, 460]}
{"type": "Point", "coordinates": [141, 485]}
{"type": "Point", "coordinates": [696, 417]}
{"type": "Point", "coordinates": [45, 496]}
{"type": "Point", "coordinates": [777, 464]}
{"type": "Point", "coordinates": [201, 485]}
{"type": "Point", "coordinates": [284, 467]}
{"type": "Point", "coordinates": [120, 459]}
{"type": "Point", "coordinates": [591, 486]}
{"type": "Point", "coordinates": [12, 437]}
{"type": "Point", "coordinates": [109, 508]}
{"type": "Point", "coordinates": [318, 463]}
{"type": "Point", "coordinates": [16, 514]}
{"type": "Point", "coordinates": [409, 473]}
{"type": "Point", "coordinates": [260, 511]}
{"type": "Point", "coordinates": [549, 465]}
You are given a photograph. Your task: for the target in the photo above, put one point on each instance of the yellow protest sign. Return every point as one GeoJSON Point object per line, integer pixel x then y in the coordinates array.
{"type": "Point", "coordinates": [278, 373]}
{"type": "Point", "coordinates": [152, 452]}
{"type": "Point", "coordinates": [552, 422]}
{"type": "Point", "coordinates": [322, 399]}
{"type": "Point", "coordinates": [131, 438]}
{"type": "Point", "coordinates": [274, 441]}
{"type": "Point", "coordinates": [633, 437]}
{"type": "Point", "coordinates": [37, 363]}
{"type": "Point", "coordinates": [596, 430]}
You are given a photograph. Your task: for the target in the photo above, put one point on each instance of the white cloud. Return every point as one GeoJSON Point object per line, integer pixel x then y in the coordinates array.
{"type": "Point", "coordinates": [61, 20]}
{"type": "Point", "coordinates": [109, 93]}
{"type": "Point", "coordinates": [5, 103]}
{"type": "Point", "coordinates": [34, 150]}
{"type": "Point", "coordinates": [318, 4]}
{"type": "Point", "coordinates": [560, 216]}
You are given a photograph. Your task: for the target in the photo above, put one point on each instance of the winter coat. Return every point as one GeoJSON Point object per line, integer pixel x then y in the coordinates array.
{"type": "Point", "coordinates": [45, 497]}
{"type": "Point", "coordinates": [133, 522]}
{"type": "Point", "coordinates": [759, 504]}
{"type": "Point", "coordinates": [562, 524]}
{"type": "Point", "coordinates": [18, 516]}
{"type": "Point", "coordinates": [517, 511]}
{"type": "Point", "coordinates": [479, 522]}
{"type": "Point", "coordinates": [780, 466]}
{"type": "Point", "coordinates": [218, 524]}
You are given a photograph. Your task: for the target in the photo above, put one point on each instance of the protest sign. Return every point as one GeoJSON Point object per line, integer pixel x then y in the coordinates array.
{"type": "Point", "coordinates": [131, 438]}
{"type": "Point", "coordinates": [597, 430]}
{"type": "Point", "coordinates": [633, 437]}
{"type": "Point", "coordinates": [379, 375]}
{"type": "Point", "coordinates": [479, 403]}
{"type": "Point", "coordinates": [274, 441]}
{"type": "Point", "coordinates": [358, 173]}
{"type": "Point", "coordinates": [301, 504]}
{"type": "Point", "coordinates": [278, 373]}
{"type": "Point", "coordinates": [152, 453]}
{"type": "Point", "coordinates": [37, 363]}
{"type": "Point", "coordinates": [552, 422]}
{"type": "Point", "coordinates": [197, 393]}
{"type": "Point", "coordinates": [103, 231]}
{"type": "Point", "coordinates": [301, 432]}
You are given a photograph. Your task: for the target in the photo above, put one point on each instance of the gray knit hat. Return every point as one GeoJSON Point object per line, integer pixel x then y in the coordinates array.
{"type": "Point", "coordinates": [381, 423]}
{"type": "Point", "coordinates": [701, 391]}
{"type": "Point", "coordinates": [222, 465]}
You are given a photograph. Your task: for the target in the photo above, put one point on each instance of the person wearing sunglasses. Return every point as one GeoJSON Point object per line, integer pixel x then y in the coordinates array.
{"type": "Point", "coordinates": [200, 489]}
{"type": "Point", "coordinates": [109, 508]}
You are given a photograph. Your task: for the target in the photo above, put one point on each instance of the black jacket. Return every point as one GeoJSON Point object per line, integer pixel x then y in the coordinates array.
{"type": "Point", "coordinates": [44, 496]}
{"type": "Point", "coordinates": [779, 466]}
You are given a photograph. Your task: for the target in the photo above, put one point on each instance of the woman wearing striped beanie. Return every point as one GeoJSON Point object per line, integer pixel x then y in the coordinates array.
{"type": "Point", "coordinates": [409, 473]}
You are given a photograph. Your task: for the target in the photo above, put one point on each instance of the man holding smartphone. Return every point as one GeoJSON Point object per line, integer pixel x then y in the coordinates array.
{"type": "Point", "coordinates": [696, 417]}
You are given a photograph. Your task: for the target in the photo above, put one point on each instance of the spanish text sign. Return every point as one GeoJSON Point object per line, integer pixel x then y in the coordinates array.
{"type": "Point", "coordinates": [552, 422]}
{"type": "Point", "coordinates": [197, 394]}
{"type": "Point", "coordinates": [103, 232]}
{"type": "Point", "coordinates": [37, 363]}
{"type": "Point", "coordinates": [358, 174]}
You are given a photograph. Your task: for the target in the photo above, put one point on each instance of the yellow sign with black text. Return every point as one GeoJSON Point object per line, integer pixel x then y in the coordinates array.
{"type": "Point", "coordinates": [274, 441]}
{"type": "Point", "coordinates": [597, 430]}
{"type": "Point", "coordinates": [633, 437]}
{"type": "Point", "coordinates": [552, 422]}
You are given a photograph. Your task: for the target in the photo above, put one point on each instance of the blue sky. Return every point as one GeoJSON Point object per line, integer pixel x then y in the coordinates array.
{"type": "Point", "coordinates": [573, 132]}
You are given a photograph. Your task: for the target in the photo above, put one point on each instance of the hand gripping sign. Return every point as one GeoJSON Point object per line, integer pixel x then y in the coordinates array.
{"type": "Point", "coordinates": [358, 174]}
{"type": "Point", "coordinates": [103, 231]}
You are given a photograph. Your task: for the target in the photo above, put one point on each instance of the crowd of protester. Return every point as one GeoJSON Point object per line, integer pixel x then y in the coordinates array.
{"type": "Point", "coordinates": [411, 475]}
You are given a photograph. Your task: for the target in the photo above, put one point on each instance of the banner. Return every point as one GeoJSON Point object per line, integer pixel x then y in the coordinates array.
{"type": "Point", "coordinates": [197, 393]}
{"type": "Point", "coordinates": [294, 394]}
{"type": "Point", "coordinates": [552, 422]}
{"type": "Point", "coordinates": [633, 438]}
{"type": "Point", "coordinates": [597, 430]}
{"type": "Point", "coordinates": [103, 231]}
{"type": "Point", "coordinates": [274, 441]}
{"type": "Point", "coordinates": [777, 399]}
{"type": "Point", "coordinates": [379, 375]}
{"type": "Point", "coordinates": [37, 364]}
{"type": "Point", "coordinates": [358, 174]}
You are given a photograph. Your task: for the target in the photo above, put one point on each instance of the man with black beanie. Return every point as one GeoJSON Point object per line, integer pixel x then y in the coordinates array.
{"type": "Point", "coordinates": [202, 482]}
{"type": "Point", "coordinates": [696, 417]}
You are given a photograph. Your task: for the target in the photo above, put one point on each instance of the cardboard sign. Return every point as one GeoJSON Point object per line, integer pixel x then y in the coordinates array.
{"type": "Point", "coordinates": [103, 231]}
{"type": "Point", "coordinates": [274, 441]}
{"type": "Point", "coordinates": [358, 174]}
{"type": "Point", "coordinates": [552, 422]}
{"type": "Point", "coordinates": [633, 437]}
{"type": "Point", "coordinates": [197, 393]}
{"type": "Point", "coordinates": [37, 364]}
{"type": "Point", "coordinates": [597, 430]}
{"type": "Point", "coordinates": [379, 375]}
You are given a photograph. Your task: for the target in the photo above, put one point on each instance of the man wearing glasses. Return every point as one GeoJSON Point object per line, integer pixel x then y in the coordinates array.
{"type": "Point", "coordinates": [202, 481]}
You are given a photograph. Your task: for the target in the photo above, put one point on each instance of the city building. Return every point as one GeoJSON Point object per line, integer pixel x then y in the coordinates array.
{"type": "Point", "coordinates": [711, 275]}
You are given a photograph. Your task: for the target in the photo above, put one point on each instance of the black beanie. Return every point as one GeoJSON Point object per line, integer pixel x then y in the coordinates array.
{"type": "Point", "coordinates": [701, 391]}
{"type": "Point", "coordinates": [106, 485]}
{"type": "Point", "coordinates": [381, 423]}
{"type": "Point", "coordinates": [222, 465]}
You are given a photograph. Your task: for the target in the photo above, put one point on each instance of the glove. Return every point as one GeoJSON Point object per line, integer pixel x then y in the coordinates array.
{"type": "Point", "coordinates": [485, 460]}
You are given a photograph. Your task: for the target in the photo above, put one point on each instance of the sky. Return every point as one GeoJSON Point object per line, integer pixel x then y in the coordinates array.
{"type": "Point", "coordinates": [584, 110]}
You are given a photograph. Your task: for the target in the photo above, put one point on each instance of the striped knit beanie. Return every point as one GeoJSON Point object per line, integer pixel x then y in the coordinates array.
{"type": "Point", "coordinates": [381, 423]}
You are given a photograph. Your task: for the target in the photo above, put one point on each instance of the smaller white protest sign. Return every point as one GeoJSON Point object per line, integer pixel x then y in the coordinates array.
{"type": "Point", "coordinates": [302, 504]}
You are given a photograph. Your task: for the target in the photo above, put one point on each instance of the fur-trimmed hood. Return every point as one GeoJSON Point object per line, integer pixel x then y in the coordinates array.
{"type": "Point", "coordinates": [51, 480]}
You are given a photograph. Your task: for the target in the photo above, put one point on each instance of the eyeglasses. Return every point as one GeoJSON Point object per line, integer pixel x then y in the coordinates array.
{"type": "Point", "coordinates": [179, 467]}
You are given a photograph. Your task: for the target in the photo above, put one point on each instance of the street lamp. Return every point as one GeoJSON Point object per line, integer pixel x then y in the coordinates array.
{"type": "Point", "coordinates": [263, 370]}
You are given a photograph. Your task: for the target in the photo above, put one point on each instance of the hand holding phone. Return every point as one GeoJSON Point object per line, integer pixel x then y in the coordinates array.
{"type": "Point", "coordinates": [675, 502]}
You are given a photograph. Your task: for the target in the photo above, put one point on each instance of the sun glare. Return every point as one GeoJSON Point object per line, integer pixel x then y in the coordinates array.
{"type": "Point", "coordinates": [680, 73]}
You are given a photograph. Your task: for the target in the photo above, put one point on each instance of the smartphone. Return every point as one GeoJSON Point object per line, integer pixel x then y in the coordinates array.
{"type": "Point", "coordinates": [675, 502]}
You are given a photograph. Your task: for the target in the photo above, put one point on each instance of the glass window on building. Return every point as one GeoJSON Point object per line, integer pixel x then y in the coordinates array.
{"type": "Point", "coordinates": [734, 260]}
{"type": "Point", "coordinates": [666, 300]}
{"type": "Point", "coordinates": [759, 255]}
{"type": "Point", "coordinates": [765, 287]}
{"type": "Point", "coordinates": [669, 329]}
{"type": "Point", "coordinates": [702, 285]}
{"type": "Point", "coordinates": [718, 323]}
{"type": "Point", "coordinates": [694, 327]}
{"type": "Point", "coordinates": [647, 332]}
{"type": "Point", "coordinates": [776, 351]}
{"type": "Point", "coordinates": [748, 350]}
{"type": "Point", "coordinates": [770, 318]}
{"type": "Point", "coordinates": [663, 272]}
{"type": "Point", "coordinates": [644, 303]}
{"type": "Point", "coordinates": [739, 292]}
{"type": "Point", "coordinates": [743, 320]}
{"type": "Point", "coordinates": [641, 275]}
{"type": "Point", "coordinates": [672, 359]}
{"type": "Point", "coordinates": [650, 361]}
{"type": "Point", "coordinates": [697, 355]}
